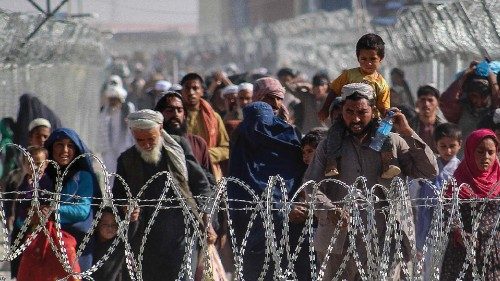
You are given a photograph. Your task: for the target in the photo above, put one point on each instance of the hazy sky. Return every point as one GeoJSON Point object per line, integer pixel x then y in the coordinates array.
{"type": "Point", "coordinates": [125, 15]}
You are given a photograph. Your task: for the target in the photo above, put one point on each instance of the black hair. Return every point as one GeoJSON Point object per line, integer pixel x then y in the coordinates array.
{"type": "Point", "coordinates": [477, 84]}
{"type": "Point", "coordinates": [427, 90]}
{"type": "Point", "coordinates": [162, 102]}
{"type": "Point", "coordinates": [449, 130]}
{"type": "Point", "coordinates": [320, 79]}
{"type": "Point", "coordinates": [192, 76]}
{"type": "Point", "coordinates": [314, 137]}
{"type": "Point", "coordinates": [357, 96]}
{"type": "Point", "coordinates": [371, 41]}
{"type": "Point", "coordinates": [397, 71]}
{"type": "Point", "coordinates": [286, 71]}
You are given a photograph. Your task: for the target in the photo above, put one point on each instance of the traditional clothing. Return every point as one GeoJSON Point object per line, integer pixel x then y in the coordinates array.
{"type": "Point", "coordinates": [79, 187]}
{"type": "Point", "coordinates": [208, 124]}
{"type": "Point", "coordinates": [263, 145]}
{"type": "Point", "coordinates": [30, 107]}
{"type": "Point", "coordinates": [478, 184]}
{"type": "Point", "coordinates": [359, 160]}
{"type": "Point", "coordinates": [166, 241]}
{"type": "Point", "coordinates": [114, 135]}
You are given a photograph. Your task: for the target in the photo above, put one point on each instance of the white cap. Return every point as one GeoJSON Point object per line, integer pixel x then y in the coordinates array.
{"type": "Point", "coordinates": [163, 85]}
{"type": "Point", "coordinates": [245, 86]}
{"type": "Point", "coordinates": [230, 89]}
{"type": "Point", "coordinates": [360, 88]}
{"type": "Point", "coordinates": [116, 92]}
{"type": "Point", "coordinates": [38, 122]}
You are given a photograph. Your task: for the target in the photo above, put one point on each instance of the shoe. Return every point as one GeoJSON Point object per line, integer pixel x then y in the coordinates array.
{"type": "Point", "coordinates": [391, 172]}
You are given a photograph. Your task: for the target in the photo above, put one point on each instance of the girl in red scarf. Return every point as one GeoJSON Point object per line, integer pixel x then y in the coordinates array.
{"type": "Point", "coordinates": [479, 176]}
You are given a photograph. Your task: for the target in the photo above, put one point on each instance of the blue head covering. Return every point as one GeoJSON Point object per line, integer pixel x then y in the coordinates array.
{"type": "Point", "coordinates": [263, 146]}
{"type": "Point", "coordinates": [84, 164]}
{"type": "Point", "coordinates": [66, 133]}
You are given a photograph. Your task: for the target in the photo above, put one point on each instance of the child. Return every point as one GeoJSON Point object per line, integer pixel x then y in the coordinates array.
{"type": "Point", "coordinates": [370, 52]}
{"type": "Point", "coordinates": [448, 138]}
{"type": "Point", "coordinates": [309, 143]}
{"type": "Point", "coordinates": [107, 230]}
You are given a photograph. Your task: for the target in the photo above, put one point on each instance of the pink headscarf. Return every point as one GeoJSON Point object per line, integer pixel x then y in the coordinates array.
{"type": "Point", "coordinates": [270, 86]}
{"type": "Point", "coordinates": [482, 183]}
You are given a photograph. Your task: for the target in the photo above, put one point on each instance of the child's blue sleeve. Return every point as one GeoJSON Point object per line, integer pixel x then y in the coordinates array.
{"type": "Point", "coordinates": [76, 198]}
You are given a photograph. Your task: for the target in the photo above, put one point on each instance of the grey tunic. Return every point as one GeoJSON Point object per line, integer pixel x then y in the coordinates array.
{"type": "Point", "coordinates": [415, 159]}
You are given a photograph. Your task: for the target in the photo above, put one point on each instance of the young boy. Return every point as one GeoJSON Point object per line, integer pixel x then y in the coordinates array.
{"type": "Point", "coordinates": [309, 143]}
{"type": "Point", "coordinates": [107, 230]}
{"type": "Point", "coordinates": [370, 52]}
{"type": "Point", "coordinates": [448, 138]}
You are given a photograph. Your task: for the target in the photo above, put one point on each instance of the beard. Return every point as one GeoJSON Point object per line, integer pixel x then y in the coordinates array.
{"type": "Point", "coordinates": [174, 128]}
{"type": "Point", "coordinates": [152, 156]}
{"type": "Point", "coordinates": [364, 129]}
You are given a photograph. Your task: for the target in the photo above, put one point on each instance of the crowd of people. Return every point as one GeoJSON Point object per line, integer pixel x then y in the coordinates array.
{"type": "Point", "coordinates": [253, 127]}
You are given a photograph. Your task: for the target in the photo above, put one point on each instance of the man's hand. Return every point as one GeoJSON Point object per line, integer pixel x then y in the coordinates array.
{"type": "Point", "coordinates": [298, 214]}
{"type": "Point", "coordinates": [134, 216]}
{"type": "Point", "coordinates": [401, 123]}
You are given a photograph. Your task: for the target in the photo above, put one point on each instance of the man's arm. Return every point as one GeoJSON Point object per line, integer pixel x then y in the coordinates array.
{"type": "Point", "coordinates": [415, 157]}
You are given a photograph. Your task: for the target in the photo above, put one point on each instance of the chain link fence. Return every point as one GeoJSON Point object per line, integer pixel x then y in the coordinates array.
{"type": "Point", "coordinates": [62, 64]}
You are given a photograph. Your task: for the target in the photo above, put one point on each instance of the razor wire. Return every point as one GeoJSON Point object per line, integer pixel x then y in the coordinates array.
{"type": "Point", "coordinates": [450, 33]}
{"type": "Point", "coordinates": [376, 254]}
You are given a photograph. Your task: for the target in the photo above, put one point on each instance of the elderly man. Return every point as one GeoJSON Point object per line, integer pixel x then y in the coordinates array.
{"type": "Point", "coordinates": [156, 151]}
{"type": "Point", "coordinates": [204, 121]}
{"type": "Point", "coordinates": [358, 159]}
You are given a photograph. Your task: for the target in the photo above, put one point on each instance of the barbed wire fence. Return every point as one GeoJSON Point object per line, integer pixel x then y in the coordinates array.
{"type": "Point", "coordinates": [63, 65]}
{"type": "Point", "coordinates": [431, 42]}
{"type": "Point", "coordinates": [375, 253]}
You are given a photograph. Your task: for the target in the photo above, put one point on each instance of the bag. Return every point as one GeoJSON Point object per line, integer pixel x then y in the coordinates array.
{"type": "Point", "coordinates": [40, 263]}
{"type": "Point", "coordinates": [217, 270]}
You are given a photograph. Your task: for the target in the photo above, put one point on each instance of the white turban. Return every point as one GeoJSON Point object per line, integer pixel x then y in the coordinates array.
{"type": "Point", "coordinates": [229, 89]}
{"type": "Point", "coordinates": [245, 87]}
{"type": "Point", "coordinates": [145, 119]}
{"type": "Point", "coordinates": [116, 92]}
{"type": "Point", "coordinates": [360, 88]}
{"type": "Point", "coordinates": [148, 119]}
{"type": "Point", "coordinates": [163, 85]}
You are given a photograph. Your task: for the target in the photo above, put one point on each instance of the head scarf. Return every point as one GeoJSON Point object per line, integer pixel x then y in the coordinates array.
{"type": "Point", "coordinates": [267, 86]}
{"type": "Point", "coordinates": [482, 183]}
{"type": "Point", "coordinates": [30, 107]}
{"type": "Point", "coordinates": [264, 145]}
{"type": "Point", "coordinates": [152, 118]}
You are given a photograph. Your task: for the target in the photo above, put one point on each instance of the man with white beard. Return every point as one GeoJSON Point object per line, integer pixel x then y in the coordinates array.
{"type": "Point", "coordinates": [156, 151]}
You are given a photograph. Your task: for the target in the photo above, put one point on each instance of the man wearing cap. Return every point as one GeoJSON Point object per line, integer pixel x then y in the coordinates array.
{"type": "Point", "coordinates": [154, 152]}
{"type": "Point", "coordinates": [204, 121]}
{"type": "Point", "coordinates": [114, 135]}
{"type": "Point", "coordinates": [358, 159]}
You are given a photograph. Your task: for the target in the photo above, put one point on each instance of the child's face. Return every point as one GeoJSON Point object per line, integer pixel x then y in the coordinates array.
{"type": "Point", "coordinates": [448, 148]}
{"type": "Point", "coordinates": [38, 159]}
{"type": "Point", "coordinates": [308, 153]}
{"type": "Point", "coordinates": [108, 228]}
{"type": "Point", "coordinates": [369, 61]}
